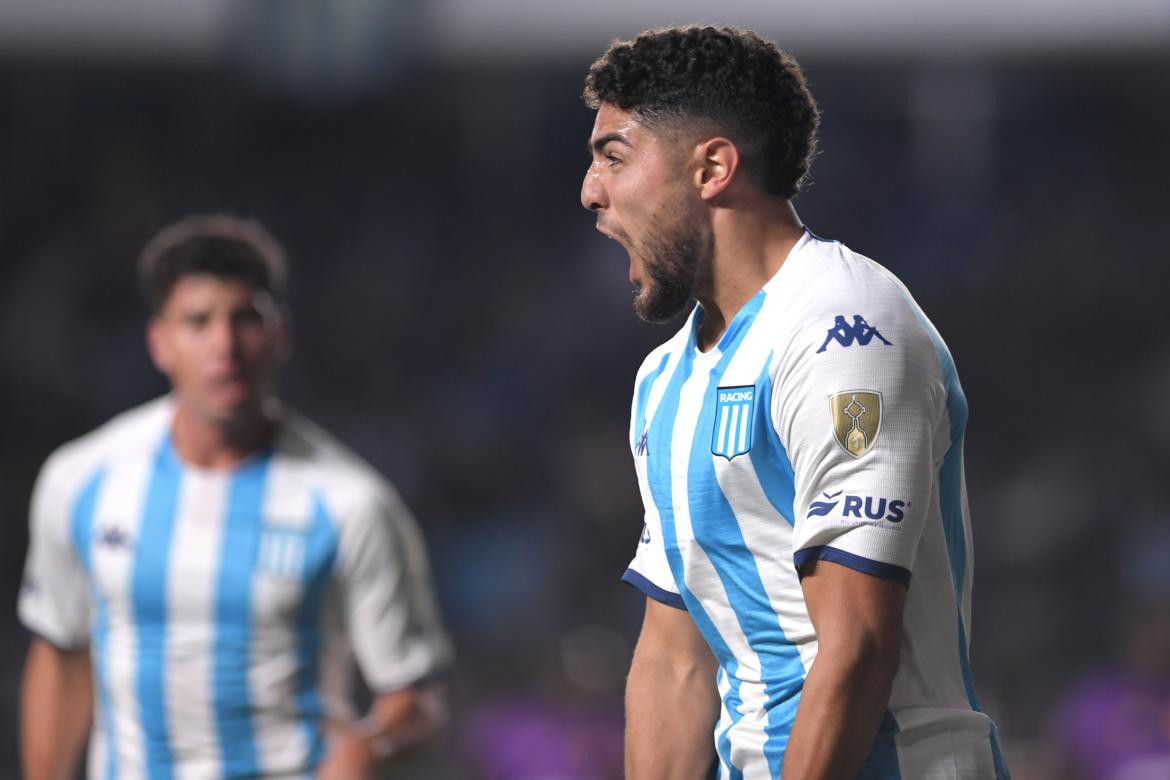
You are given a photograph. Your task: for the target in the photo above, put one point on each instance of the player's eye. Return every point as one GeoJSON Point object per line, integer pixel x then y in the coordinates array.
{"type": "Point", "coordinates": [613, 160]}
{"type": "Point", "coordinates": [197, 320]}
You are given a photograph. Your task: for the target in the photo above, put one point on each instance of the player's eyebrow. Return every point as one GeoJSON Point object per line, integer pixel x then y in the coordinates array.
{"type": "Point", "coordinates": [598, 144]}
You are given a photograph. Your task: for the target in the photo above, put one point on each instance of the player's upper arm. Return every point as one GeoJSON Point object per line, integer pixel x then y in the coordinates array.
{"type": "Point", "coordinates": [862, 420]}
{"type": "Point", "coordinates": [390, 607]}
{"type": "Point", "coordinates": [54, 600]}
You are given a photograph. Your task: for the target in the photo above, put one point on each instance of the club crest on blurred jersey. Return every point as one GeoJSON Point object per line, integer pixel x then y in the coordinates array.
{"type": "Point", "coordinates": [732, 434]}
{"type": "Point", "coordinates": [857, 420]}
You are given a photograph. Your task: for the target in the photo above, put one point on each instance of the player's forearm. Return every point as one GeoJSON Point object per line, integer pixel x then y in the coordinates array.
{"type": "Point", "coordinates": [671, 709]}
{"type": "Point", "coordinates": [399, 721]}
{"type": "Point", "coordinates": [55, 711]}
{"type": "Point", "coordinates": [841, 707]}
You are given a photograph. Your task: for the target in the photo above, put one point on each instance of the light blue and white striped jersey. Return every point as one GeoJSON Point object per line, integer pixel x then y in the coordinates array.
{"type": "Point", "coordinates": [827, 423]}
{"type": "Point", "coordinates": [223, 609]}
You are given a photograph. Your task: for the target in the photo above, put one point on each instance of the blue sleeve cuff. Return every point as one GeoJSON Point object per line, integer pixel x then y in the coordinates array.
{"type": "Point", "coordinates": [653, 591]}
{"type": "Point", "coordinates": [887, 571]}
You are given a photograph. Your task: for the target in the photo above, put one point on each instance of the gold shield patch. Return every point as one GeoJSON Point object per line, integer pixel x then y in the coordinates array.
{"type": "Point", "coordinates": [857, 419]}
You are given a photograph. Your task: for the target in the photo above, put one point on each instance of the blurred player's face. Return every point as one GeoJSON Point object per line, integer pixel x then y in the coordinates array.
{"type": "Point", "coordinates": [217, 340]}
{"type": "Point", "coordinates": [638, 186]}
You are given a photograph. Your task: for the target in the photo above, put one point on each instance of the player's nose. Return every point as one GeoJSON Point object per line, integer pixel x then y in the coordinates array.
{"type": "Point", "coordinates": [593, 194]}
{"type": "Point", "coordinates": [225, 338]}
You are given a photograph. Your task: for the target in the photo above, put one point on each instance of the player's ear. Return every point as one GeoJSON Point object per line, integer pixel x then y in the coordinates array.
{"type": "Point", "coordinates": [718, 164]}
{"type": "Point", "coordinates": [156, 344]}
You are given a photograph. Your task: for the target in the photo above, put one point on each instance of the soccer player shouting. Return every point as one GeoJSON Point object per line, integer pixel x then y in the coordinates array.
{"type": "Point", "coordinates": [200, 566]}
{"type": "Point", "coordinates": [798, 443]}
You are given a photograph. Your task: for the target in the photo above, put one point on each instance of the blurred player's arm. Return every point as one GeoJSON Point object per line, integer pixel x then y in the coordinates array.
{"type": "Point", "coordinates": [671, 700]}
{"type": "Point", "coordinates": [54, 604]}
{"type": "Point", "coordinates": [858, 621]}
{"type": "Point", "coordinates": [395, 723]}
{"type": "Point", "coordinates": [397, 636]}
{"type": "Point", "coordinates": [55, 710]}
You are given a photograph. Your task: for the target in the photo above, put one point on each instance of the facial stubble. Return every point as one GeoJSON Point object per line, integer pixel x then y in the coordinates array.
{"type": "Point", "coordinates": [677, 257]}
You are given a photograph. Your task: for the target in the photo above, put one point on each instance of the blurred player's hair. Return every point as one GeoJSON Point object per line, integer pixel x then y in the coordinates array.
{"type": "Point", "coordinates": [219, 245]}
{"type": "Point", "coordinates": [722, 80]}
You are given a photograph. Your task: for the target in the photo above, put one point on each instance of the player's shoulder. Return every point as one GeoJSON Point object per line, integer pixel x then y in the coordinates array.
{"type": "Point", "coordinates": [833, 292]}
{"type": "Point", "coordinates": [828, 275]}
{"type": "Point", "coordinates": [348, 485]}
{"type": "Point", "coordinates": [129, 434]}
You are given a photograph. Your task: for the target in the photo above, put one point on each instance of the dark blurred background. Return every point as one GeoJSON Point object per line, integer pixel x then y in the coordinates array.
{"type": "Point", "coordinates": [461, 325]}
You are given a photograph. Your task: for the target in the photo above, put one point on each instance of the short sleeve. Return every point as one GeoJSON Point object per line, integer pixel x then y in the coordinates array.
{"type": "Point", "coordinates": [389, 603]}
{"type": "Point", "coordinates": [54, 600]}
{"type": "Point", "coordinates": [858, 403]}
{"type": "Point", "coordinates": [649, 571]}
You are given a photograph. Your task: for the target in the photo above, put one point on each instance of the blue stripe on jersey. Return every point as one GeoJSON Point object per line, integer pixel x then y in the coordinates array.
{"type": "Point", "coordinates": [84, 515]}
{"type": "Point", "coordinates": [951, 504]}
{"type": "Point", "coordinates": [717, 532]}
{"type": "Point", "coordinates": [152, 553]}
{"type": "Point", "coordinates": [659, 478]}
{"type": "Point", "coordinates": [882, 761]}
{"type": "Point", "coordinates": [950, 478]}
{"type": "Point", "coordinates": [233, 620]}
{"type": "Point", "coordinates": [771, 463]}
{"type": "Point", "coordinates": [643, 396]}
{"type": "Point", "coordinates": [320, 554]}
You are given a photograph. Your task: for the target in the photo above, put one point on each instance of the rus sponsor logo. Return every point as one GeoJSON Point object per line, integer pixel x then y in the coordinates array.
{"type": "Point", "coordinates": [859, 507]}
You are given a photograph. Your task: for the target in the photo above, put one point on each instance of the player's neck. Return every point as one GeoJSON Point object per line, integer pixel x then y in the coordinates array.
{"type": "Point", "coordinates": [221, 444]}
{"type": "Point", "coordinates": [752, 242]}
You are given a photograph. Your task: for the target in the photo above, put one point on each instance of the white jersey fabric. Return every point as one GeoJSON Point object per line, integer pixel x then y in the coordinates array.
{"type": "Point", "coordinates": [827, 423]}
{"type": "Point", "coordinates": [223, 609]}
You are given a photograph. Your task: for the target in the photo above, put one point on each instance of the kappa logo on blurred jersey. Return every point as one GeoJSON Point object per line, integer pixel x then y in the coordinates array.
{"type": "Point", "coordinates": [860, 332]}
{"type": "Point", "coordinates": [645, 538]}
{"type": "Point", "coordinates": [732, 431]}
{"type": "Point", "coordinates": [859, 507]}
{"type": "Point", "coordinates": [113, 537]}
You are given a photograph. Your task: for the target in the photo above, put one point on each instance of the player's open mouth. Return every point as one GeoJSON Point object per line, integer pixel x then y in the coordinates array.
{"type": "Point", "coordinates": [230, 386]}
{"type": "Point", "coordinates": [608, 234]}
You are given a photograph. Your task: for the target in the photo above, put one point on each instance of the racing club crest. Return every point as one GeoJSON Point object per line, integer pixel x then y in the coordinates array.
{"type": "Point", "coordinates": [857, 419]}
{"type": "Point", "coordinates": [732, 434]}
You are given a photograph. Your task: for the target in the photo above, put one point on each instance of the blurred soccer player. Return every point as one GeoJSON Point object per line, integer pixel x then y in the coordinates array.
{"type": "Point", "coordinates": [200, 566]}
{"type": "Point", "coordinates": [798, 443]}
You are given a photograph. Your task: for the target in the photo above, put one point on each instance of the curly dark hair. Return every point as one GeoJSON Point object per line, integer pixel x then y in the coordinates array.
{"type": "Point", "coordinates": [219, 245]}
{"type": "Point", "coordinates": [735, 80]}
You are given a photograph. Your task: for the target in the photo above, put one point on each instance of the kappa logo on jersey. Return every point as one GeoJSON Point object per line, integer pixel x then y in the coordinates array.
{"type": "Point", "coordinates": [860, 507]}
{"type": "Point", "coordinates": [845, 334]}
{"type": "Point", "coordinates": [113, 537]}
{"type": "Point", "coordinates": [645, 537]}
{"type": "Point", "coordinates": [857, 419]}
{"type": "Point", "coordinates": [640, 447]}
{"type": "Point", "coordinates": [732, 434]}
